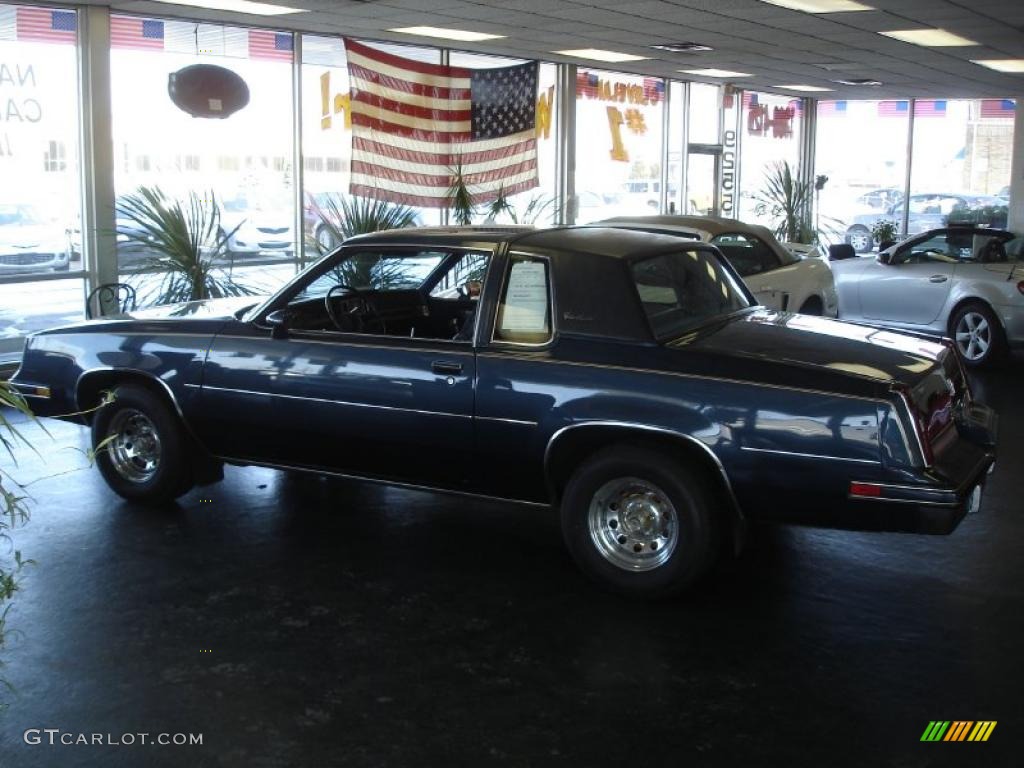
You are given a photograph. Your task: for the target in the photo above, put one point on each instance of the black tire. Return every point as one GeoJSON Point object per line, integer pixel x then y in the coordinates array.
{"type": "Point", "coordinates": [693, 501]}
{"type": "Point", "coordinates": [860, 238]}
{"type": "Point", "coordinates": [961, 323]}
{"type": "Point", "coordinates": [813, 306]}
{"type": "Point", "coordinates": [171, 475]}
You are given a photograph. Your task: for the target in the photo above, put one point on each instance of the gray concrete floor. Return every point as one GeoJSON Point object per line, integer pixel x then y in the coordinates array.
{"type": "Point", "coordinates": [298, 621]}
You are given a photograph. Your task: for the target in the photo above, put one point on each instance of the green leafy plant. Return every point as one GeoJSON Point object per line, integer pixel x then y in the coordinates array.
{"type": "Point", "coordinates": [187, 243]}
{"type": "Point", "coordinates": [14, 503]}
{"type": "Point", "coordinates": [884, 231]}
{"type": "Point", "coordinates": [538, 207]}
{"type": "Point", "coordinates": [459, 197]}
{"type": "Point", "coordinates": [787, 201]}
{"type": "Point", "coordinates": [342, 217]}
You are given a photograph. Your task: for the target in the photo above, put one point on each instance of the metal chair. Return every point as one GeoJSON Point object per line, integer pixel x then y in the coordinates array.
{"type": "Point", "coordinates": [120, 295]}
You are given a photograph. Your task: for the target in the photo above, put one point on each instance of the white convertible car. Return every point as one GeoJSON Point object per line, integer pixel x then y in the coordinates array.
{"type": "Point", "coordinates": [962, 282]}
{"type": "Point", "coordinates": [778, 278]}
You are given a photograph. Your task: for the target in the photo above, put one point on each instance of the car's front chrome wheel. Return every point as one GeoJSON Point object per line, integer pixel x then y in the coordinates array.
{"type": "Point", "coordinates": [134, 446]}
{"type": "Point", "coordinates": [633, 524]}
{"type": "Point", "coordinates": [973, 336]}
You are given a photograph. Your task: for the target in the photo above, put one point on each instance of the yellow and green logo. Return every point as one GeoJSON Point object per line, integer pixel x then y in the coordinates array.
{"type": "Point", "coordinates": [958, 730]}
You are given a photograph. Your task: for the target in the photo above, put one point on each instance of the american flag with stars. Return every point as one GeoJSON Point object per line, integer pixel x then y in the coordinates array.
{"type": "Point", "coordinates": [998, 108]}
{"type": "Point", "coordinates": [414, 122]}
{"type": "Point", "coordinates": [39, 25]}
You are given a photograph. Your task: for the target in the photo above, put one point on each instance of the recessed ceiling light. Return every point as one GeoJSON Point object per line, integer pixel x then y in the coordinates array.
{"type": "Point", "coordinates": [600, 55]}
{"type": "Point", "coordinates": [859, 81]}
{"type": "Point", "coordinates": [238, 6]}
{"type": "Point", "coordinates": [935, 38]}
{"type": "Point", "coordinates": [1002, 65]}
{"type": "Point", "coordinates": [682, 47]}
{"type": "Point", "coordinates": [804, 88]}
{"type": "Point", "coordinates": [462, 35]}
{"type": "Point", "coordinates": [712, 72]}
{"type": "Point", "coordinates": [821, 6]}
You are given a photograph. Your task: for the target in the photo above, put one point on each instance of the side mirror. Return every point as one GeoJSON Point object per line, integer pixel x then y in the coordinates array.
{"type": "Point", "coordinates": [278, 322]}
{"type": "Point", "coordinates": [885, 257]}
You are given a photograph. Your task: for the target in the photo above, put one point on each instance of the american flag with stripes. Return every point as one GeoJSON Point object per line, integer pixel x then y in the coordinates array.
{"type": "Point", "coordinates": [831, 109]}
{"type": "Point", "coordinates": [45, 25]}
{"type": "Point", "coordinates": [654, 89]}
{"type": "Point", "coordinates": [270, 45]}
{"type": "Point", "coordinates": [929, 108]}
{"type": "Point", "coordinates": [998, 108]}
{"type": "Point", "coordinates": [414, 122]}
{"type": "Point", "coordinates": [586, 85]}
{"type": "Point", "coordinates": [893, 108]}
{"type": "Point", "coordinates": [136, 33]}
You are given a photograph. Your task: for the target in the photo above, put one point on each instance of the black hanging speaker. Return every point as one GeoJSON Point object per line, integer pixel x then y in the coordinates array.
{"type": "Point", "coordinates": [206, 90]}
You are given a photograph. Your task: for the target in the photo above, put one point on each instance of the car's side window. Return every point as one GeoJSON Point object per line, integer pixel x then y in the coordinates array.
{"type": "Point", "coordinates": [749, 255]}
{"type": "Point", "coordinates": [940, 249]}
{"type": "Point", "coordinates": [464, 279]}
{"type": "Point", "coordinates": [524, 310]}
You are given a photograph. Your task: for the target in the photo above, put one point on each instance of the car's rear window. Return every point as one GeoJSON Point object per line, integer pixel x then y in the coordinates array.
{"type": "Point", "coordinates": [684, 289]}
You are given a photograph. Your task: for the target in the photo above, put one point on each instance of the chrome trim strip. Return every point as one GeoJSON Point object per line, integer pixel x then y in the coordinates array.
{"type": "Point", "coordinates": [339, 402]}
{"type": "Point", "coordinates": [356, 340]}
{"type": "Point", "coordinates": [679, 374]}
{"type": "Point", "coordinates": [946, 504]}
{"type": "Point", "coordinates": [809, 455]}
{"type": "Point", "coordinates": [646, 428]}
{"type": "Point", "coordinates": [380, 481]}
{"type": "Point", "coordinates": [524, 422]}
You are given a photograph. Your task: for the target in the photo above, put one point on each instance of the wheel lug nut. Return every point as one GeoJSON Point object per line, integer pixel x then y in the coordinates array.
{"type": "Point", "coordinates": [622, 539]}
{"type": "Point", "coordinates": [613, 524]}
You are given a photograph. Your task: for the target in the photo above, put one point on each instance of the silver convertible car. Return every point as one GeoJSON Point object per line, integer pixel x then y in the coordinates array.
{"type": "Point", "coordinates": [965, 283]}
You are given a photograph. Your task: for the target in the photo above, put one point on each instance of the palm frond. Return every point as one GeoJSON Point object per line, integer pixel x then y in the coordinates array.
{"type": "Point", "coordinates": [347, 216]}
{"type": "Point", "coordinates": [186, 243]}
{"type": "Point", "coordinates": [459, 196]}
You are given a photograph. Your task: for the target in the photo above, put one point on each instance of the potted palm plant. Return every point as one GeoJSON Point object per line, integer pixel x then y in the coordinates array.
{"type": "Point", "coordinates": [186, 243]}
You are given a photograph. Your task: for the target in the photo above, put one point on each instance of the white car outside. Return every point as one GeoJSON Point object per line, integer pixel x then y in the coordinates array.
{"type": "Point", "coordinates": [778, 278]}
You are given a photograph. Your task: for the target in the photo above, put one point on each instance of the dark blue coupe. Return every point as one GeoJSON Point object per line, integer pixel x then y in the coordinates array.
{"type": "Point", "coordinates": [626, 378]}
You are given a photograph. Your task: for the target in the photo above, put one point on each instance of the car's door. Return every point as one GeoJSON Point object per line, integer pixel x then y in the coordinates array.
{"type": "Point", "coordinates": [375, 404]}
{"type": "Point", "coordinates": [759, 267]}
{"type": "Point", "coordinates": [912, 288]}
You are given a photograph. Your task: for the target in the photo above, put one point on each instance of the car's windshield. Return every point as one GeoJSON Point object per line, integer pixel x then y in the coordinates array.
{"type": "Point", "coordinates": [374, 270]}
{"type": "Point", "coordinates": [11, 215]}
{"type": "Point", "coordinates": [684, 289]}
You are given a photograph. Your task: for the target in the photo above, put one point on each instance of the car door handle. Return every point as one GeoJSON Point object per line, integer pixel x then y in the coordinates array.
{"type": "Point", "coordinates": [446, 367]}
{"type": "Point", "coordinates": [938, 279]}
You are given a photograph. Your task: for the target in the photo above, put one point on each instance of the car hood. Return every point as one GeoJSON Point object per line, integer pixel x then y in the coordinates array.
{"type": "Point", "coordinates": [30, 237]}
{"type": "Point", "coordinates": [820, 343]}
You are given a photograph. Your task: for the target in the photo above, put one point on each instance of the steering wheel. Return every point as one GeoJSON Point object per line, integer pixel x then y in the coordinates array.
{"type": "Point", "coordinates": [355, 311]}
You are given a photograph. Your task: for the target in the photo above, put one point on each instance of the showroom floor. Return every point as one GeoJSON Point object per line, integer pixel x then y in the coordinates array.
{"type": "Point", "coordinates": [295, 621]}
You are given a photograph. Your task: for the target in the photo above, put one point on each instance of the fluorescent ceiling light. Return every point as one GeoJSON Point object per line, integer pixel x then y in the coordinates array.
{"type": "Point", "coordinates": [1002, 65]}
{"type": "Point", "coordinates": [821, 6]}
{"type": "Point", "coordinates": [804, 88]}
{"type": "Point", "coordinates": [238, 6]}
{"type": "Point", "coordinates": [462, 35]}
{"type": "Point", "coordinates": [712, 72]}
{"type": "Point", "coordinates": [935, 38]}
{"type": "Point", "coordinates": [600, 55]}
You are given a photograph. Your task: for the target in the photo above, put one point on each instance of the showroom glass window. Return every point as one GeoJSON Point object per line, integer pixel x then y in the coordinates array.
{"type": "Point", "coordinates": [862, 147]}
{"type": "Point", "coordinates": [244, 160]}
{"type": "Point", "coordinates": [618, 144]}
{"type": "Point", "coordinates": [39, 213]}
{"type": "Point", "coordinates": [676, 155]}
{"type": "Point", "coordinates": [537, 205]}
{"type": "Point", "coordinates": [706, 154]}
{"type": "Point", "coordinates": [961, 167]}
{"type": "Point", "coordinates": [327, 134]}
{"type": "Point", "coordinates": [770, 128]}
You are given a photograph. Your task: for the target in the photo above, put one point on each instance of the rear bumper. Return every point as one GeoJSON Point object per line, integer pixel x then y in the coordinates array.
{"type": "Point", "coordinates": [932, 507]}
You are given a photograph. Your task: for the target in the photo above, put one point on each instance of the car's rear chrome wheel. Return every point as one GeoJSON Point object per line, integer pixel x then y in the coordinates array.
{"type": "Point", "coordinates": [134, 446]}
{"type": "Point", "coordinates": [641, 520]}
{"type": "Point", "coordinates": [633, 524]}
